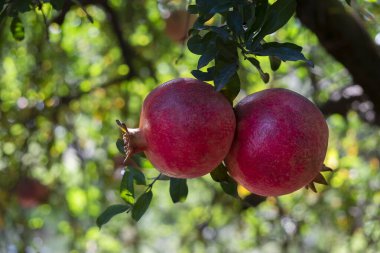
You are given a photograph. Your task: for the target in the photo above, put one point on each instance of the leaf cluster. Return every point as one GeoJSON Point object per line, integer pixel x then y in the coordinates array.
{"type": "Point", "coordinates": [225, 28]}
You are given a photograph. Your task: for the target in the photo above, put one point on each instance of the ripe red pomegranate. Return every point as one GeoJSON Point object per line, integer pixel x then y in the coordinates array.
{"type": "Point", "coordinates": [31, 193]}
{"type": "Point", "coordinates": [280, 143]}
{"type": "Point", "coordinates": [178, 24]}
{"type": "Point", "coordinates": [186, 128]}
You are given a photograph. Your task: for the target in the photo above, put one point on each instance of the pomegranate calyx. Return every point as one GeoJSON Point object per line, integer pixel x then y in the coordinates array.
{"type": "Point", "coordinates": [319, 179]}
{"type": "Point", "coordinates": [133, 139]}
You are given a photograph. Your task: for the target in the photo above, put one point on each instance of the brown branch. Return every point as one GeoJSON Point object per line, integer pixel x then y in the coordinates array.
{"type": "Point", "coordinates": [345, 38]}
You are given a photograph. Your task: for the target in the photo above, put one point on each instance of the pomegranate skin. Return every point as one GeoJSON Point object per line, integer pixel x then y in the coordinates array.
{"type": "Point", "coordinates": [280, 142]}
{"type": "Point", "coordinates": [188, 128]}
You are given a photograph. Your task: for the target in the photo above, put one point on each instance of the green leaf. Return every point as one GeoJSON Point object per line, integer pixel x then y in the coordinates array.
{"type": "Point", "coordinates": [17, 29]}
{"type": "Point", "coordinates": [204, 76]}
{"type": "Point", "coordinates": [127, 191]}
{"type": "Point", "coordinates": [261, 11]}
{"type": "Point", "coordinates": [235, 22]}
{"type": "Point", "coordinates": [207, 56]}
{"type": "Point", "coordinates": [275, 62]}
{"type": "Point", "coordinates": [21, 6]}
{"type": "Point", "coordinates": [348, 2]}
{"type": "Point", "coordinates": [232, 88]}
{"type": "Point", "coordinates": [109, 213]}
{"type": "Point", "coordinates": [224, 75]}
{"type": "Point", "coordinates": [120, 146]}
{"type": "Point", "coordinates": [178, 189]}
{"type": "Point", "coordinates": [192, 9]}
{"type": "Point", "coordinates": [219, 174]}
{"type": "Point", "coordinates": [221, 6]}
{"type": "Point", "coordinates": [284, 51]}
{"type": "Point", "coordinates": [264, 76]}
{"type": "Point", "coordinates": [230, 188]}
{"type": "Point", "coordinates": [198, 44]}
{"type": "Point", "coordinates": [278, 15]}
{"type": "Point", "coordinates": [57, 4]}
{"type": "Point", "coordinates": [138, 176]}
{"type": "Point", "coordinates": [141, 205]}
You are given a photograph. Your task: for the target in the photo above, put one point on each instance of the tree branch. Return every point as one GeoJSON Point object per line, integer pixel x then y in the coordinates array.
{"type": "Point", "coordinates": [345, 38]}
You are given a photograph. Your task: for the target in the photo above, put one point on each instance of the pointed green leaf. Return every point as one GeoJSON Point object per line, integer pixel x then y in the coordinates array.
{"type": "Point", "coordinates": [230, 188]}
{"type": "Point", "coordinates": [178, 189]}
{"type": "Point", "coordinates": [204, 76]}
{"type": "Point", "coordinates": [219, 174]}
{"type": "Point", "coordinates": [232, 88]}
{"type": "Point", "coordinates": [207, 56]}
{"type": "Point", "coordinates": [278, 15]}
{"type": "Point", "coordinates": [284, 51]}
{"type": "Point", "coordinates": [224, 75]}
{"type": "Point", "coordinates": [264, 76]}
{"type": "Point", "coordinates": [141, 205]}
{"type": "Point", "coordinates": [138, 176]}
{"type": "Point", "coordinates": [110, 212]}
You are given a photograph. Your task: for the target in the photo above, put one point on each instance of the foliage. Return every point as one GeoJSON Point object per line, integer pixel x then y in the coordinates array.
{"type": "Point", "coordinates": [60, 97]}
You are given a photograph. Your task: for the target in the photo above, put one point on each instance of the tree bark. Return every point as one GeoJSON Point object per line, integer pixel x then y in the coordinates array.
{"type": "Point", "coordinates": [343, 35]}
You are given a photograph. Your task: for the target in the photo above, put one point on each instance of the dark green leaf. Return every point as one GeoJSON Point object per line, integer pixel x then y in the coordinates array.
{"type": "Point", "coordinates": [222, 32]}
{"type": "Point", "coordinates": [138, 176]}
{"type": "Point", "coordinates": [120, 146]}
{"type": "Point", "coordinates": [235, 22]}
{"type": "Point", "coordinates": [141, 205]}
{"type": "Point", "coordinates": [204, 76]}
{"type": "Point", "coordinates": [57, 4]}
{"type": "Point", "coordinates": [127, 191]}
{"type": "Point", "coordinates": [207, 56]}
{"type": "Point", "coordinates": [21, 6]}
{"type": "Point", "coordinates": [230, 188]}
{"type": "Point", "coordinates": [110, 212]}
{"type": "Point", "coordinates": [198, 44]}
{"type": "Point", "coordinates": [348, 2]}
{"type": "Point", "coordinates": [284, 51]}
{"type": "Point", "coordinates": [17, 29]}
{"type": "Point", "coordinates": [264, 76]}
{"type": "Point", "coordinates": [224, 75]}
{"type": "Point", "coordinates": [178, 189]}
{"type": "Point", "coordinates": [275, 62]}
{"type": "Point", "coordinates": [232, 88]}
{"type": "Point", "coordinates": [219, 174]}
{"type": "Point", "coordinates": [261, 11]}
{"type": "Point", "coordinates": [278, 15]}
{"type": "Point", "coordinates": [221, 6]}
{"type": "Point", "coordinates": [192, 9]}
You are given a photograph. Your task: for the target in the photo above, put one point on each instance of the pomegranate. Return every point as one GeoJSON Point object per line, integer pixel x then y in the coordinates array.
{"type": "Point", "coordinates": [186, 128]}
{"type": "Point", "coordinates": [280, 143]}
{"type": "Point", "coordinates": [178, 24]}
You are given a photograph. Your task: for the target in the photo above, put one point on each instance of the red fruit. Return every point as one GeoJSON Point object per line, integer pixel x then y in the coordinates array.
{"type": "Point", "coordinates": [178, 24]}
{"type": "Point", "coordinates": [280, 142]}
{"type": "Point", "coordinates": [31, 193]}
{"type": "Point", "coordinates": [186, 128]}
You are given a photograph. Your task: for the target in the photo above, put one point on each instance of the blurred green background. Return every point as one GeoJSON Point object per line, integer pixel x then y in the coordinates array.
{"type": "Point", "coordinates": [65, 84]}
